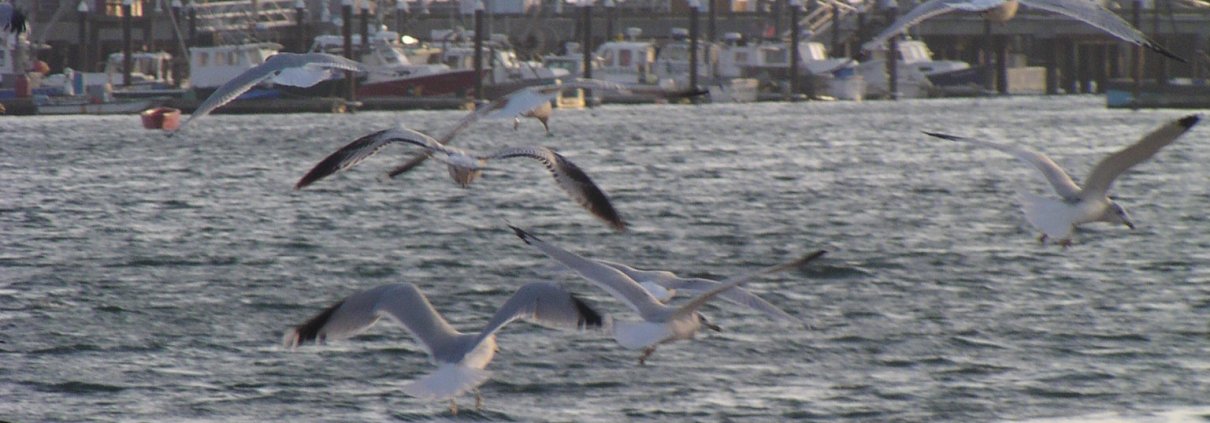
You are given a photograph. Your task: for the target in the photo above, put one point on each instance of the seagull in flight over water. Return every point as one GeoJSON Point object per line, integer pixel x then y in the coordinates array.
{"type": "Point", "coordinates": [1057, 218]}
{"type": "Point", "coordinates": [12, 19]}
{"type": "Point", "coordinates": [293, 69]}
{"type": "Point", "coordinates": [465, 166]}
{"type": "Point", "coordinates": [660, 323]}
{"type": "Point", "coordinates": [1088, 11]}
{"type": "Point", "coordinates": [460, 357]}
{"type": "Point", "coordinates": [533, 101]}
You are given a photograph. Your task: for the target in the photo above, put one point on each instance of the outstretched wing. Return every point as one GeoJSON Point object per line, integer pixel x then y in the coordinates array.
{"type": "Point", "coordinates": [403, 303]}
{"type": "Point", "coordinates": [572, 179]}
{"type": "Point", "coordinates": [546, 304]}
{"type": "Point", "coordinates": [1062, 183]}
{"type": "Point", "coordinates": [362, 148]}
{"type": "Point", "coordinates": [724, 286]}
{"type": "Point", "coordinates": [12, 19]}
{"type": "Point", "coordinates": [510, 106]}
{"type": "Point", "coordinates": [1097, 183]}
{"type": "Point", "coordinates": [924, 11]}
{"type": "Point", "coordinates": [276, 64]}
{"type": "Point", "coordinates": [1104, 19]}
{"type": "Point", "coordinates": [607, 278]}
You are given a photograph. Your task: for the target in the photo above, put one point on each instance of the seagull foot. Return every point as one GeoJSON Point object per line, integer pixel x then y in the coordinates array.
{"type": "Point", "coordinates": [478, 401]}
{"type": "Point", "coordinates": [1042, 238]}
{"type": "Point", "coordinates": [453, 407]}
{"type": "Point", "coordinates": [1065, 243]}
{"type": "Point", "coordinates": [646, 353]}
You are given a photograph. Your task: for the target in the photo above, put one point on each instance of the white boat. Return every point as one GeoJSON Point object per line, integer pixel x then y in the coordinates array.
{"type": "Point", "coordinates": [769, 63]}
{"type": "Point", "coordinates": [916, 64]}
{"type": "Point", "coordinates": [504, 72]}
{"type": "Point", "coordinates": [211, 67]}
{"type": "Point", "coordinates": [672, 61]}
{"type": "Point", "coordinates": [392, 71]}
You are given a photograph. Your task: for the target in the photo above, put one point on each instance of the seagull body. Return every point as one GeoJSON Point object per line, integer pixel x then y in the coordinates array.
{"type": "Point", "coordinates": [460, 357]}
{"type": "Point", "coordinates": [466, 166]}
{"type": "Point", "coordinates": [660, 323]}
{"type": "Point", "coordinates": [293, 69]}
{"type": "Point", "coordinates": [664, 285]}
{"type": "Point", "coordinates": [1087, 11]}
{"type": "Point", "coordinates": [12, 19]}
{"type": "Point", "coordinates": [1057, 218]}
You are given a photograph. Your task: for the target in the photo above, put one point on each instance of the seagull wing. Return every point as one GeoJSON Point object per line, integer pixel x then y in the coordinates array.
{"type": "Point", "coordinates": [674, 284]}
{"type": "Point", "coordinates": [276, 64]}
{"type": "Point", "coordinates": [572, 179]}
{"type": "Point", "coordinates": [361, 149]}
{"type": "Point", "coordinates": [403, 303]}
{"type": "Point", "coordinates": [12, 19]}
{"type": "Point", "coordinates": [924, 11]}
{"type": "Point", "coordinates": [1104, 19]}
{"type": "Point", "coordinates": [612, 281]}
{"type": "Point", "coordinates": [510, 106]}
{"type": "Point", "coordinates": [546, 304]}
{"type": "Point", "coordinates": [1097, 183]}
{"type": "Point", "coordinates": [701, 299]}
{"type": "Point", "coordinates": [305, 70]}
{"type": "Point", "coordinates": [1062, 183]}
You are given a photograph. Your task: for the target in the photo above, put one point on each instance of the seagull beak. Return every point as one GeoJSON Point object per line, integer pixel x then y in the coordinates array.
{"type": "Point", "coordinates": [1129, 224]}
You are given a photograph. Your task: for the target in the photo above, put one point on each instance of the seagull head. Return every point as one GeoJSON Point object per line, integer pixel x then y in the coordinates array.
{"type": "Point", "coordinates": [1117, 214]}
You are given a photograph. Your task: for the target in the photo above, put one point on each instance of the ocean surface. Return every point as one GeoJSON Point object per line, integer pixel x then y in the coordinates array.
{"type": "Point", "coordinates": [145, 278]}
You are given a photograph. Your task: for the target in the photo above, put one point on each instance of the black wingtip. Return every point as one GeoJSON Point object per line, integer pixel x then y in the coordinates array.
{"type": "Point", "coordinates": [589, 317]}
{"type": "Point", "coordinates": [942, 136]}
{"type": "Point", "coordinates": [1189, 121]}
{"type": "Point", "coordinates": [309, 330]}
{"type": "Point", "coordinates": [525, 236]}
{"type": "Point", "coordinates": [1163, 51]}
{"type": "Point", "coordinates": [16, 23]}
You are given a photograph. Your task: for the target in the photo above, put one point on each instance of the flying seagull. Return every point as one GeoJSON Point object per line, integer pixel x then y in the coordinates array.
{"type": "Point", "coordinates": [293, 69]}
{"type": "Point", "coordinates": [1057, 218]}
{"type": "Point", "coordinates": [12, 19]}
{"type": "Point", "coordinates": [534, 101]}
{"type": "Point", "coordinates": [664, 285]}
{"type": "Point", "coordinates": [460, 357]}
{"type": "Point", "coordinates": [660, 323]}
{"type": "Point", "coordinates": [466, 166]}
{"type": "Point", "coordinates": [1088, 11]}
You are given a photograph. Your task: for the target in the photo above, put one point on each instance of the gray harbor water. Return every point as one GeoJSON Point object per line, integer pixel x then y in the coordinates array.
{"type": "Point", "coordinates": [150, 279]}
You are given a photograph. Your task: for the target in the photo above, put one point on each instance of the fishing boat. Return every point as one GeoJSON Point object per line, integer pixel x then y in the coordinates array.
{"type": "Point", "coordinates": [914, 68]}
{"type": "Point", "coordinates": [392, 71]}
{"type": "Point", "coordinates": [768, 61]}
{"type": "Point", "coordinates": [504, 72]}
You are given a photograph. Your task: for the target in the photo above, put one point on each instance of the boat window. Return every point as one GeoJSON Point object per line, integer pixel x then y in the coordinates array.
{"type": "Point", "coordinates": [608, 58]}
{"type": "Point", "coordinates": [203, 58]}
{"type": "Point", "coordinates": [773, 56]}
{"type": "Point", "coordinates": [624, 58]}
{"type": "Point", "coordinates": [741, 57]}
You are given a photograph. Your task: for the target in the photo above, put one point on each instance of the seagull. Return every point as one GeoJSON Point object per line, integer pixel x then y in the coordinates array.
{"type": "Point", "coordinates": [465, 166]}
{"type": "Point", "coordinates": [293, 69]}
{"type": "Point", "coordinates": [534, 101]}
{"type": "Point", "coordinates": [664, 285]}
{"type": "Point", "coordinates": [12, 19]}
{"type": "Point", "coordinates": [660, 323]}
{"type": "Point", "coordinates": [1088, 11]}
{"type": "Point", "coordinates": [1057, 218]}
{"type": "Point", "coordinates": [460, 357]}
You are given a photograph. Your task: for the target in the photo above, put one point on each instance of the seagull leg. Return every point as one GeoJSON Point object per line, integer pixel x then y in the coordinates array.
{"type": "Point", "coordinates": [646, 353]}
{"type": "Point", "coordinates": [516, 123]}
{"type": "Point", "coordinates": [478, 400]}
{"type": "Point", "coordinates": [453, 407]}
{"type": "Point", "coordinates": [1042, 238]}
